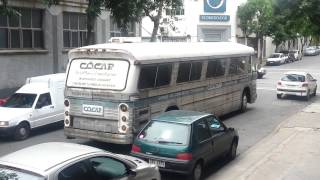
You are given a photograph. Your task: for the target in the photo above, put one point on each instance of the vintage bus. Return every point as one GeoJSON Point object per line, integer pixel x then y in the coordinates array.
{"type": "Point", "coordinates": [112, 90]}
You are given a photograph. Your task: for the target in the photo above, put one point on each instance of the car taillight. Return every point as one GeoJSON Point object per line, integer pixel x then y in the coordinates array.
{"type": "Point", "coordinates": [305, 85]}
{"type": "Point", "coordinates": [184, 156]}
{"type": "Point", "coordinates": [135, 148]}
{"type": "Point", "coordinates": [279, 83]}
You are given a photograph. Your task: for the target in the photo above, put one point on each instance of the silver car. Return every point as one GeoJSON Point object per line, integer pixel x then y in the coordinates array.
{"type": "Point", "coordinates": [67, 161]}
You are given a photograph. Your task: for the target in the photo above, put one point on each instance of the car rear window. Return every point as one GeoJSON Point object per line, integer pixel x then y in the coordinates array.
{"type": "Point", "coordinates": [165, 133]}
{"type": "Point", "coordinates": [13, 174]}
{"type": "Point", "coordinates": [293, 77]}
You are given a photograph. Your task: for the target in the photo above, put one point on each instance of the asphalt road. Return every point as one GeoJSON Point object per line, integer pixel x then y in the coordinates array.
{"type": "Point", "coordinates": [260, 120]}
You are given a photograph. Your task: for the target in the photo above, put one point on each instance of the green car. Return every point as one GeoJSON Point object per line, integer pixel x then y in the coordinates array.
{"type": "Point", "coordinates": [184, 142]}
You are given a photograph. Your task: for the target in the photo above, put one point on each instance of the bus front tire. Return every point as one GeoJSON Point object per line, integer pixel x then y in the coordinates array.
{"type": "Point", "coordinates": [244, 102]}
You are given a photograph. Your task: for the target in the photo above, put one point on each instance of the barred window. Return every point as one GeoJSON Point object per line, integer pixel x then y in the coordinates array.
{"type": "Point", "coordinates": [75, 30]}
{"type": "Point", "coordinates": [22, 32]}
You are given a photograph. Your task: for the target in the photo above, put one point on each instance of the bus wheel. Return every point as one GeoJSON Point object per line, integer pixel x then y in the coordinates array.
{"type": "Point", "coordinates": [244, 102]}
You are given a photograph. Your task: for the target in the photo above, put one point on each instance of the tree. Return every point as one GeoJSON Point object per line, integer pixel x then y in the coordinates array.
{"type": "Point", "coordinates": [154, 8]}
{"type": "Point", "coordinates": [245, 14]}
{"type": "Point", "coordinates": [258, 17]}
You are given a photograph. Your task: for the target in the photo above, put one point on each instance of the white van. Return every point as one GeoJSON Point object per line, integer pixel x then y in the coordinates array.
{"type": "Point", "coordinates": [39, 102]}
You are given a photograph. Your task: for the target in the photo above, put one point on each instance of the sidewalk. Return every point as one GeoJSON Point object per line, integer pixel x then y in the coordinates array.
{"type": "Point", "coordinates": [291, 152]}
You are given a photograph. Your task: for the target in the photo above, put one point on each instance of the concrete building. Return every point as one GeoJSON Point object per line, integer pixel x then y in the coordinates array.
{"type": "Point", "coordinates": [204, 20]}
{"type": "Point", "coordinates": [38, 41]}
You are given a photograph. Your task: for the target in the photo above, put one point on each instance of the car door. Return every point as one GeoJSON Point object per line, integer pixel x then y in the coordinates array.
{"type": "Point", "coordinates": [44, 112]}
{"type": "Point", "coordinates": [220, 136]}
{"type": "Point", "coordinates": [202, 144]}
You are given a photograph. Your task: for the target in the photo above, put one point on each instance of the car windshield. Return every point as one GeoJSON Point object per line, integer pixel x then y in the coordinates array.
{"type": "Point", "coordinates": [166, 133]}
{"type": "Point", "coordinates": [12, 174]}
{"type": "Point", "coordinates": [275, 55]}
{"type": "Point", "coordinates": [293, 77]}
{"type": "Point", "coordinates": [20, 100]}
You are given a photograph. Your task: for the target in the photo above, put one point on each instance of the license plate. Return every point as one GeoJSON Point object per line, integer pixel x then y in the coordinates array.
{"type": "Point", "coordinates": [92, 110]}
{"type": "Point", "coordinates": [158, 163]}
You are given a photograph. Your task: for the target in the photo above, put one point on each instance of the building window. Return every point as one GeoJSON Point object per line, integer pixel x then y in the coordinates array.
{"type": "Point", "coordinates": [175, 12]}
{"type": "Point", "coordinates": [22, 32]}
{"type": "Point", "coordinates": [75, 30]}
{"type": "Point", "coordinates": [116, 31]}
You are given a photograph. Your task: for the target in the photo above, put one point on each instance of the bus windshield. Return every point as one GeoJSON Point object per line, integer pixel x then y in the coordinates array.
{"type": "Point", "coordinates": [98, 74]}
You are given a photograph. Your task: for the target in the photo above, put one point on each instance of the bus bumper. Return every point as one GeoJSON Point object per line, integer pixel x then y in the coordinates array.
{"type": "Point", "coordinates": [99, 136]}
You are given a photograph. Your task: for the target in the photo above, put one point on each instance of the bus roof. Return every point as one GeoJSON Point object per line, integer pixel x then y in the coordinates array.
{"type": "Point", "coordinates": [146, 52]}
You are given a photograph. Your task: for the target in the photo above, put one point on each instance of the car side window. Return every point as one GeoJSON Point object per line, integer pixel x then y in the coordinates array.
{"type": "Point", "coordinates": [77, 171]}
{"type": "Point", "coordinates": [201, 130]}
{"type": "Point", "coordinates": [214, 125]}
{"type": "Point", "coordinates": [310, 78]}
{"type": "Point", "coordinates": [44, 100]}
{"type": "Point", "coordinates": [108, 168]}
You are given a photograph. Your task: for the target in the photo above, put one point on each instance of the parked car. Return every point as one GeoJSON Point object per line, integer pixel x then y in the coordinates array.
{"type": "Point", "coordinates": [311, 51]}
{"type": "Point", "coordinates": [261, 72]}
{"type": "Point", "coordinates": [67, 161]}
{"type": "Point", "coordinates": [295, 54]}
{"type": "Point", "coordinates": [37, 103]}
{"type": "Point", "coordinates": [185, 141]}
{"type": "Point", "coordinates": [298, 84]}
{"type": "Point", "coordinates": [276, 59]}
{"type": "Point", "coordinates": [287, 58]}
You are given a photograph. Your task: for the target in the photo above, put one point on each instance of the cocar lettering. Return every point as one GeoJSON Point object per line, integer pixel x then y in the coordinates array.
{"type": "Point", "coordinates": [98, 66]}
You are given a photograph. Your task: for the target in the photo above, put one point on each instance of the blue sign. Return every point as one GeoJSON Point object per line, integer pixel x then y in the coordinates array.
{"type": "Point", "coordinates": [215, 5]}
{"type": "Point", "coordinates": [223, 18]}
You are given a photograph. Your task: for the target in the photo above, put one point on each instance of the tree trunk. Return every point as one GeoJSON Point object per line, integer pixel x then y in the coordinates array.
{"type": "Point", "coordinates": [156, 22]}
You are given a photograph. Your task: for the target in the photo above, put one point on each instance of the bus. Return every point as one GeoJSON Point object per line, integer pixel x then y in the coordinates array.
{"type": "Point", "coordinates": [113, 89]}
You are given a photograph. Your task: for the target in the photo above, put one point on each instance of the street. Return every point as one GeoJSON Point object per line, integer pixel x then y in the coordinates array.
{"type": "Point", "coordinates": [260, 119]}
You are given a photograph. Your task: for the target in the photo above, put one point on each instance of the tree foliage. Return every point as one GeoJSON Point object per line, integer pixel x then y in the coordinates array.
{"type": "Point", "coordinates": [154, 8]}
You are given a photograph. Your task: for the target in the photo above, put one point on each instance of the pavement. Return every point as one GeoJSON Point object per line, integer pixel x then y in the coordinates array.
{"type": "Point", "coordinates": [290, 152]}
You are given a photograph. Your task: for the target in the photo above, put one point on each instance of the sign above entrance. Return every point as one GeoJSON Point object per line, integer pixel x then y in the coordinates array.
{"type": "Point", "coordinates": [215, 5]}
{"type": "Point", "coordinates": [223, 18]}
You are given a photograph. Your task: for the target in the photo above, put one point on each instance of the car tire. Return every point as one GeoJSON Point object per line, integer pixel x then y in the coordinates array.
{"type": "Point", "coordinates": [22, 131]}
{"type": "Point", "coordinates": [232, 154]}
{"type": "Point", "coordinates": [197, 171]}
{"type": "Point", "coordinates": [307, 97]}
{"type": "Point", "coordinates": [279, 96]}
{"type": "Point", "coordinates": [315, 92]}
{"type": "Point", "coordinates": [244, 102]}
{"type": "Point", "coordinates": [260, 76]}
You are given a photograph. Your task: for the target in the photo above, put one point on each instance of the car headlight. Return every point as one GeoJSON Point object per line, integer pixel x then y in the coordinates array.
{"type": "Point", "coordinates": [4, 123]}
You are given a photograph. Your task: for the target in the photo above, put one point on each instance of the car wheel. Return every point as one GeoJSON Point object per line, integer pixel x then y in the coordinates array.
{"type": "Point", "coordinates": [22, 131]}
{"type": "Point", "coordinates": [233, 150]}
{"type": "Point", "coordinates": [315, 91]}
{"type": "Point", "coordinates": [197, 171]}
{"type": "Point", "coordinates": [307, 97]}
{"type": "Point", "coordinates": [279, 96]}
{"type": "Point", "coordinates": [244, 102]}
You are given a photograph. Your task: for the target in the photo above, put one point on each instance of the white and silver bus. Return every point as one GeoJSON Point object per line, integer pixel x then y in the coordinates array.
{"type": "Point", "coordinates": [112, 90]}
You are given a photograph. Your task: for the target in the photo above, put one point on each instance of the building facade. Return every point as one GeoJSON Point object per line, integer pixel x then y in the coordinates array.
{"type": "Point", "coordinates": [38, 41]}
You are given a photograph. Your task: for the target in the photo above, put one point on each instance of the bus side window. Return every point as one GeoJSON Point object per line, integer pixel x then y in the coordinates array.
{"type": "Point", "coordinates": [216, 68]}
{"type": "Point", "coordinates": [147, 77]}
{"type": "Point", "coordinates": [189, 72]}
{"type": "Point", "coordinates": [164, 75]}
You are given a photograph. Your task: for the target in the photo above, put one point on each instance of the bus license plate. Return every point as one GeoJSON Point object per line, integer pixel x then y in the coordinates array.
{"type": "Point", "coordinates": [92, 110]}
{"type": "Point", "coordinates": [158, 163]}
